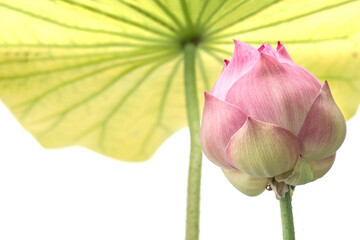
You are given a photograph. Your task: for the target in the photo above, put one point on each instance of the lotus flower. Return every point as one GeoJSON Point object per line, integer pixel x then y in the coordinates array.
{"type": "Point", "coordinates": [268, 121]}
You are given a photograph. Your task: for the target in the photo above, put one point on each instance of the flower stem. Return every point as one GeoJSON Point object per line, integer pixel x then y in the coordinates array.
{"type": "Point", "coordinates": [192, 107]}
{"type": "Point", "coordinates": [287, 217]}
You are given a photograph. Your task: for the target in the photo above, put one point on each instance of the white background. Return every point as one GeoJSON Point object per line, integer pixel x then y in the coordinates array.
{"type": "Point", "coordinates": [76, 194]}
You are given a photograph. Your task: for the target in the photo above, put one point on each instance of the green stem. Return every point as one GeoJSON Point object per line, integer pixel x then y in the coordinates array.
{"type": "Point", "coordinates": [287, 217]}
{"type": "Point", "coordinates": [192, 108]}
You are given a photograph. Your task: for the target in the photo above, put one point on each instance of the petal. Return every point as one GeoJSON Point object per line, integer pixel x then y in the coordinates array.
{"type": "Point", "coordinates": [219, 122]}
{"type": "Point", "coordinates": [269, 50]}
{"type": "Point", "coordinates": [318, 169]}
{"type": "Point", "coordinates": [243, 59]}
{"type": "Point", "coordinates": [321, 167]}
{"type": "Point", "coordinates": [244, 183]}
{"type": "Point", "coordinates": [226, 63]}
{"type": "Point", "coordinates": [261, 47]}
{"type": "Point", "coordinates": [324, 129]}
{"type": "Point", "coordinates": [301, 174]}
{"type": "Point", "coordinates": [282, 54]}
{"type": "Point", "coordinates": [275, 93]}
{"type": "Point", "coordinates": [263, 150]}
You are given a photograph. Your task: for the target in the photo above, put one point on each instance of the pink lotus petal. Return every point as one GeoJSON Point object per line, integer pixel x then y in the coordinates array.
{"type": "Point", "coordinates": [226, 63]}
{"type": "Point", "coordinates": [219, 122]}
{"type": "Point", "coordinates": [269, 50]}
{"type": "Point", "coordinates": [243, 59]}
{"type": "Point", "coordinates": [321, 167]}
{"type": "Point", "coordinates": [301, 174]}
{"type": "Point", "coordinates": [263, 150]}
{"type": "Point", "coordinates": [324, 129]}
{"type": "Point", "coordinates": [283, 55]}
{"type": "Point", "coordinates": [261, 48]}
{"type": "Point", "coordinates": [245, 183]}
{"type": "Point", "coordinates": [275, 93]}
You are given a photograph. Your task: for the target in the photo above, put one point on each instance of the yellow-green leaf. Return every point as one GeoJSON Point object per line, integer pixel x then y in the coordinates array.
{"type": "Point", "coordinates": [108, 74]}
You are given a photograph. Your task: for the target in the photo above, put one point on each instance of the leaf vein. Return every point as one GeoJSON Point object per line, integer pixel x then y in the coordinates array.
{"type": "Point", "coordinates": [294, 18]}
{"type": "Point", "coordinates": [118, 18]}
{"type": "Point", "coordinates": [64, 25]}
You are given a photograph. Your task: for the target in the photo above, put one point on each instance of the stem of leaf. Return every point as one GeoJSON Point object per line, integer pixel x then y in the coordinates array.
{"type": "Point", "coordinates": [192, 107]}
{"type": "Point", "coordinates": [287, 217]}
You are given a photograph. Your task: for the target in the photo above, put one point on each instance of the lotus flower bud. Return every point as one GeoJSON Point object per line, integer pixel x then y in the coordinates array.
{"type": "Point", "coordinates": [268, 121]}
